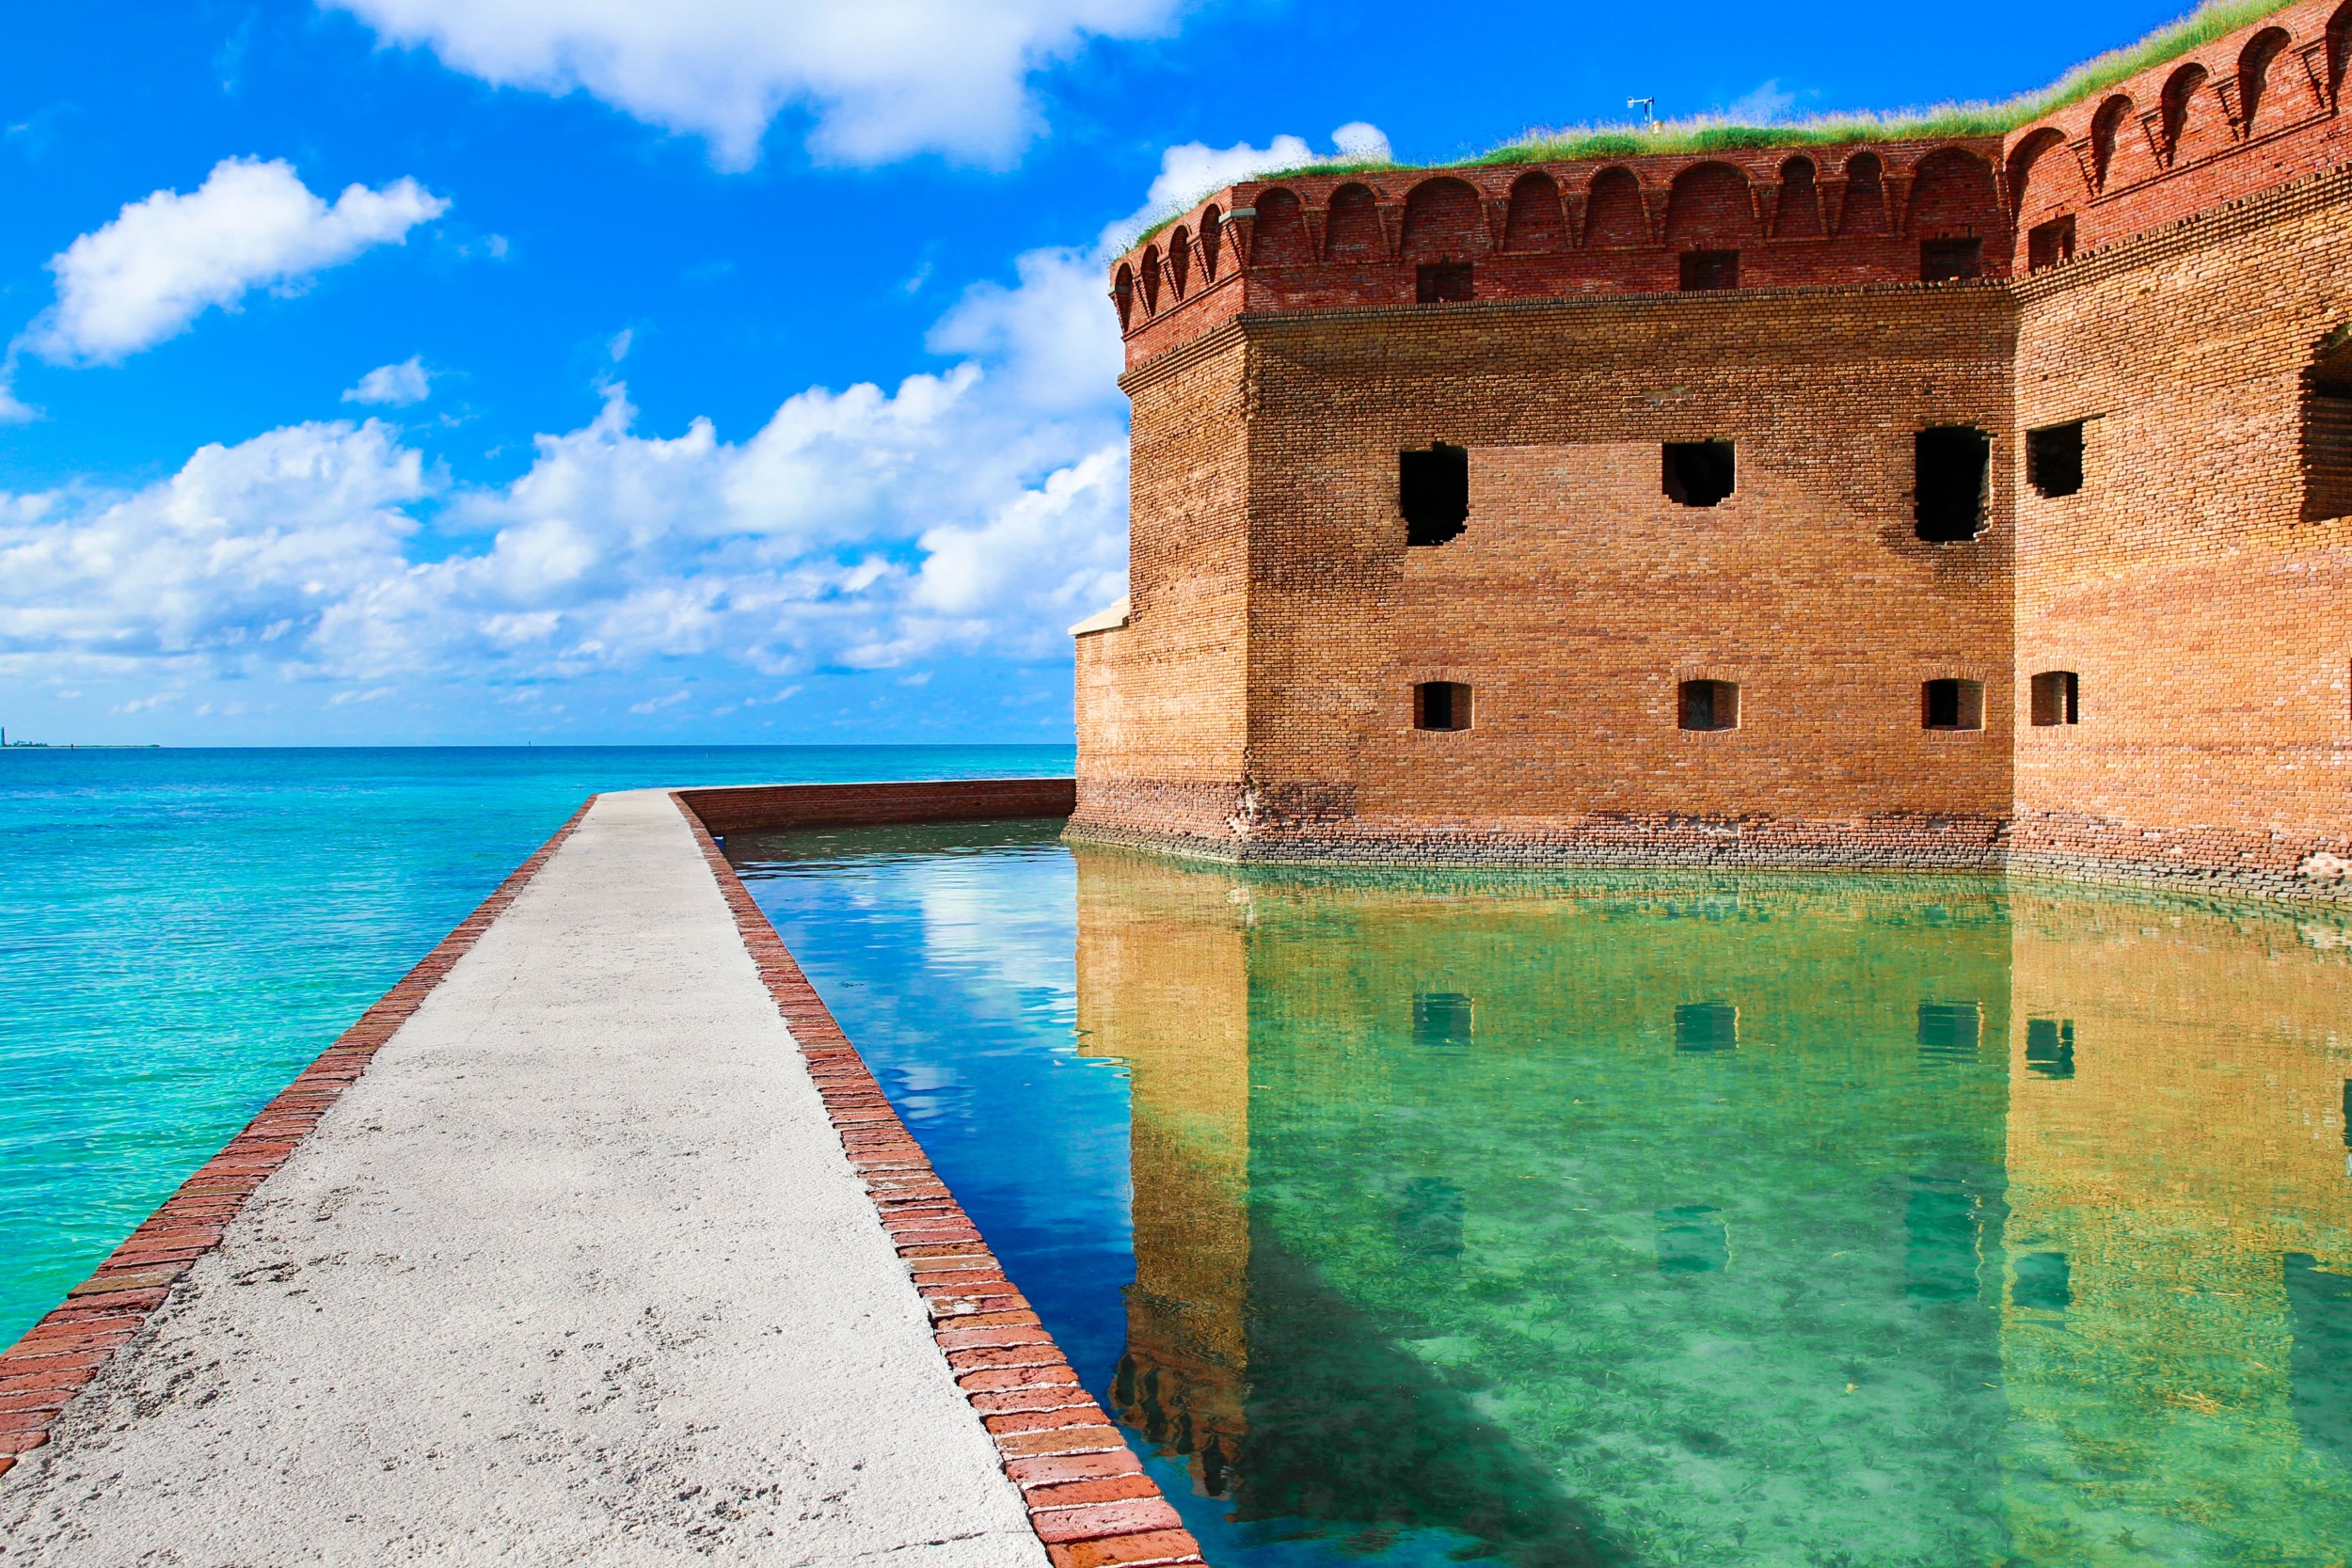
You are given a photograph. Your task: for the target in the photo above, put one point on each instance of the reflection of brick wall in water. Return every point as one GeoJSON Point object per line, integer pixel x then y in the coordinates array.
{"type": "Point", "coordinates": [1162, 987]}
{"type": "Point", "coordinates": [2180, 341]}
{"type": "Point", "coordinates": [2176, 1141]}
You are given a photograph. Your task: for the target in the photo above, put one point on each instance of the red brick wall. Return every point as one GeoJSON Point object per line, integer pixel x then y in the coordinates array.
{"type": "Point", "coordinates": [757, 808]}
{"type": "Point", "coordinates": [1579, 595]}
{"type": "Point", "coordinates": [2205, 619]}
{"type": "Point", "coordinates": [1161, 702]}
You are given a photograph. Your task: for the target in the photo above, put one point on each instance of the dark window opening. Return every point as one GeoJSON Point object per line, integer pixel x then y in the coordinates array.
{"type": "Point", "coordinates": [2050, 1048]}
{"type": "Point", "coordinates": [1441, 282]}
{"type": "Point", "coordinates": [1701, 1027]}
{"type": "Point", "coordinates": [1708, 706]}
{"type": "Point", "coordinates": [1710, 269]}
{"type": "Point", "coordinates": [1698, 473]}
{"type": "Point", "coordinates": [1948, 1031]}
{"type": "Point", "coordinates": [1952, 705]}
{"type": "Point", "coordinates": [2054, 459]}
{"type": "Point", "coordinates": [1691, 1240]}
{"type": "Point", "coordinates": [1433, 487]}
{"type": "Point", "coordinates": [1441, 705]}
{"type": "Point", "coordinates": [2327, 432]}
{"type": "Point", "coordinates": [1950, 465]}
{"type": "Point", "coordinates": [1441, 1018]}
{"type": "Point", "coordinates": [2051, 243]}
{"type": "Point", "coordinates": [1950, 261]}
{"type": "Point", "coordinates": [2319, 1307]}
{"type": "Point", "coordinates": [2044, 1282]}
{"type": "Point", "coordinates": [2057, 698]}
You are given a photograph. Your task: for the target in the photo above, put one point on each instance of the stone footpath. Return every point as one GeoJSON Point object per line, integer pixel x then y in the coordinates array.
{"type": "Point", "coordinates": [558, 1257]}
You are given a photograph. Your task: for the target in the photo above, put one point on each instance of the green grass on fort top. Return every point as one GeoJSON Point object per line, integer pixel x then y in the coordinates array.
{"type": "Point", "coordinates": [2216, 18]}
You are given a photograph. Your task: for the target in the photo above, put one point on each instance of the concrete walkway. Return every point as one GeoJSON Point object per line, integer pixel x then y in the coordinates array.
{"type": "Point", "coordinates": [577, 1272]}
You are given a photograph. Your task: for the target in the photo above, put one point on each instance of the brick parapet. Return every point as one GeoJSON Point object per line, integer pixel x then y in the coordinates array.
{"type": "Point", "coordinates": [1088, 1499]}
{"type": "Point", "coordinates": [757, 808]}
{"type": "Point", "coordinates": [2255, 108]}
{"type": "Point", "coordinates": [60, 1354]}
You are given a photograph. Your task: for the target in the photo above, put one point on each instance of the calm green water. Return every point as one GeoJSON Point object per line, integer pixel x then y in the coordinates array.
{"type": "Point", "coordinates": [1795, 1221]}
{"type": "Point", "coordinates": [181, 930]}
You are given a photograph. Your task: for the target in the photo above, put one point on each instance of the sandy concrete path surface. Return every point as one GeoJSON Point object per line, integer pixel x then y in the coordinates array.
{"type": "Point", "coordinates": [576, 1273]}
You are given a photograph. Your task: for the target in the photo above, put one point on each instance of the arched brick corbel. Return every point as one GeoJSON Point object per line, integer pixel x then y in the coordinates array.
{"type": "Point", "coordinates": [1896, 183]}
{"type": "Point", "coordinates": [2086, 160]}
{"type": "Point", "coordinates": [1654, 200]}
{"type": "Point", "coordinates": [1832, 188]}
{"type": "Point", "coordinates": [1498, 220]}
{"type": "Point", "coordinates": [1392, 226]}
{"type": "Point", "coordinates": [2314, 59]}
{"type": "Point", "coordinates": [2226, 88]}
{"type": "Point", "coordinates": [1318, 221]}
{"type": "Point", "coordinates": [1572, 205]}
{"type": "Point", "coordinates": [2152, 127]}
{"type": "Point", "coordinates": [1763, 202]}
{"type": "Point", "coordinates": [1235, 232]}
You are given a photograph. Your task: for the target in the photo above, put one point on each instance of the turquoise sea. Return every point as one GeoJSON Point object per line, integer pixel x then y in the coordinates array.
{"type": "Point", "coordinates": [181, 930]}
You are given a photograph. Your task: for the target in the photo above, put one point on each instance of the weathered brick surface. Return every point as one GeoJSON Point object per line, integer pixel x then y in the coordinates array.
{"type": "Point", "coordinates": [2182, 585]}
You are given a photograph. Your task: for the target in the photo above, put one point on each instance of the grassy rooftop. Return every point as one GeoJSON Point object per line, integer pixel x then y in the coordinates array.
{"type": "Point", "coordinates": [1712, 133]}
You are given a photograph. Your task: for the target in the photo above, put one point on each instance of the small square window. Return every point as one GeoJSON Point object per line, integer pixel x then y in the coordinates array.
{"type": "Point", "coordinates": [1441, 282]}
{"type": "Point", "coordinates": [1698, 473]}
{"type": "Point", "coordinates": [1703, 1027]}
{"type": "Point", "coordinates": [1950, 261]}
{"type": "Point", "coordinates": [2054, 459]}
{"type": "Point", "coordinates": [2056, 698]}
{"type": "Point", "coordinates": [1952, 705]}
{"type": "Point", "coordinates": [2050, 1047]}
{"type": "Point", "coordinates": [2051, 243]}
{"type": "Point", "coordinates": [1710, 269]}
{"type": "Point", "coordinates": [1708, 706]}
{"type": "Point", "coordinates": [1441, 1018]}
{"type": "Point", "coordinates": [1441, 705]}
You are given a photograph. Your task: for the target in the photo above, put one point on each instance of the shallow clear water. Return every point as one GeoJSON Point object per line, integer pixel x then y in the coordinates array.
{"type": "Point", "coordinates": [1758, 1221]}
{"type": "Point", "coordinates": [181, 930]}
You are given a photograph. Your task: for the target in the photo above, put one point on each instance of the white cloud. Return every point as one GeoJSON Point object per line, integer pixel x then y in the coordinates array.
{"type": "Point", "coordinates": [883, 78]}
{"type": "Point", "coordinates": [1761, 105]}
{"type": "Point", "coordinates": [163, 261]}
{"type": "Point", "coordinates": [399, 385]}
{"type": "Point", "coordinates": [1054, 332]}
{"type": "Point", "coordinates": [977, 510]}
{"type": "Point", "coordinates": [1192, 169]}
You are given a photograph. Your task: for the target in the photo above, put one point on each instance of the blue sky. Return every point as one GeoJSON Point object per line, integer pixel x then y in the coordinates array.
{"type": "Point", "coordinates": [457, 371]}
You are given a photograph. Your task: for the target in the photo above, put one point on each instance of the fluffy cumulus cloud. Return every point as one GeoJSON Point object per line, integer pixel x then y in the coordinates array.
{"type": "Point", "coordinates": [977, 510]}
{"type": "Point", "coordinates": [883, 78]}
{"type": "Point", "coordinates": [1192, 169]}
{"type": "Point", "coordinates": [401, 385]}
{"type": "Point", "coordinates": [163, 260]}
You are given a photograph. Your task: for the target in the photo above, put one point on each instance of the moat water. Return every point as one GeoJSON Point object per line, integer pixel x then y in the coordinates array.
{"type": "Point", "coordinates": [1640, 1220]}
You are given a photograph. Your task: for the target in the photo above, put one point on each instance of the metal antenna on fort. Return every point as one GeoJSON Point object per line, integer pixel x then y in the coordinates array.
{"type": "Point", "coordinates": [1649, 110]}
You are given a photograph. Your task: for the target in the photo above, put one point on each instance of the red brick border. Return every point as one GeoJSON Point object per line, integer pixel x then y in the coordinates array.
{"type": "Point", "coordinates": [1088, 1500]}
{"type": "Point", "coordinates": [61, 1354]}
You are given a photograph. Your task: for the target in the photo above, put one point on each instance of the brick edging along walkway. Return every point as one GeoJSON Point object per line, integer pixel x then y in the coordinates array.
{"type": "Point", "coordinates": [1088, 1499]}
{"type": "Point", "coordinates": [61, 1354]}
